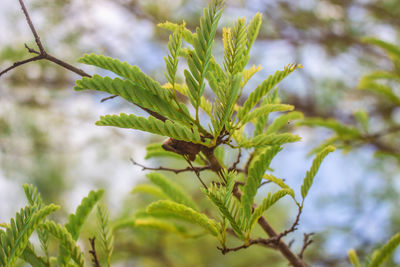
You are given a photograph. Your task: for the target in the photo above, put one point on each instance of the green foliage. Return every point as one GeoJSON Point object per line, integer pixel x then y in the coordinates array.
{"type": "Point", "coordinates": [354, 258]}
{"type": "Point", "coordinates": [171, 61]}
{"type": "Point", "coordinates": [308, 180]}
{"type": "Point", "coordinates": [35, 200]}
{"type": "Point", "coordinates": [266, 204]}
{"type": "Point", "coordinates": [171, 190]}
{"type": "Point", "coordinates": [135, 94]}
{"type": "Point", "coordinates": [160, 225]}
{"type": "Point", "coordinates": [283, 120]}
{"type": "Point", "coordinates": [227, 204]}
{"type": "Point", "coordinates": [384, 84]}
{"type": "Point", "coordinates": [66, 240]}
{"type": "Point", "coordinates": [123, 69]}
{"type": "Point", "coordinates": [30, 257]}
{"type": "Point", "coordinates": [16, 237]}
{"type": "Point", "coordinates": [228, 123]}
{"type": "Point", "coordinates": [257, 168]}
{"type": "Point", "coordinates": [264, 88]}
{"type": "Point", "coordinates": [149, 190]}
{"type": "Point", "coordinates": [199, 61]}
{"type": "Point", "coordinates": [185, 213]}
{"type": "Point", "coordinates": [381, 254]}
{"type": "Point", "coordinates": [76, 220]}
{"type": "Point", "coordinates": [267, 108]}
{"type": "Point", "coordinates": [340, 129]}
{"type": "Point", "coordinates": [266, 140]}
{"type": "Point", "coordinates": [152, 125]}
{"type": "Point", "coordinates": [105, 232]}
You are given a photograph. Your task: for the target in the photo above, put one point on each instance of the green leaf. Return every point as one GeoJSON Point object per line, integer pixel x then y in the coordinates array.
{"type": "Point", "coordinates": [171, 61]}
{"type": "Point", "coordinates": [257, 168]}
{"type": "Point", "coordinates": [124, 69]}
{"type": "Point", "coordinates": [391, 49]}
{"type": "Point", "coordinates": [267, 202]}
{"type": "Point", "coordinates": [235, 47]}
{"type": "Point", "coordinates": [264, 88]}
{"type": "Point", "coordinates": [227, 204]}
{"type": "Point", "coordinates": [224, 107]}
{"type": "Point", "coordinates": [35, 200]}
{"type": "Point", "coordinates": [341, 129]}
{"type": "Point", "coordinates": [278, 182]}
{"type": "Point", "coordinates": [33, 195]}
{"type": "Point", "coordinates": [384, 90]}
{"type": "Point", "coordinates": [187, 35]}
{"type": "Point", "coordinates": [149, 190]}
{"type": "Point", "coordinates": [76, 220]}
{"type": "Point", "coordinates": [16, 238]}
{"type": "Point", "coordinates": [354, 258]}
{"type": "Point", "coordinates": [66, 240]}
{"type": "Point", "coordinates": [363, 119]}
{"type": "Point", "coordinates": [152, 125]}
{"type": "Point", "coordinates": [30, 257]}
{"type": "Point", "coordinates": [266, 140]}
{"type": "Point", "coordinates": [248, 73]}
{"type": "Point", "coordinates": [308, 180]}
{"type": "Point", "coordinates": [136, 94]}
{"type": "Point", "coordinates": [381, 254]}
{"type": "Point", "coordinates": [267, 108]}
{"type": "Point", "coordinates": [171, 190]}
{"type": "Point", "coordinates": [199, 62]}
{"type": "Point", "coordinates": [185, 213]}
{"type": "Point", "coordinates": [253, 30]}
{"type": "Point", "coordinates": [105, 231]}
{"type": "Point", "coordinates": [160, 225]}
{"type": "Point", "coordinates": [283, 120]}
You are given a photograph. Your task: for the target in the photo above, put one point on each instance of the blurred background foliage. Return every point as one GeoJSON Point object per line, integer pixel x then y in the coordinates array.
{"type": "Point", "coordinates": [48, 137]}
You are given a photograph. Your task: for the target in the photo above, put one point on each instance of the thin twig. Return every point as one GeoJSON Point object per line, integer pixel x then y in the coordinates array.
{"type": "Point", "coordinates": [108, 98]}
{"type": "Point", "coordinates": [42, 54]}
{"type": "Point", "coordinates": [270, 242]}
{"type": "Point", "coordinates": [95, 260]}
{"type": "Point", "coordinates": [33, 30]}
{"type": "Point", "coordinates": [196, 172]}
{"type": "Point", "coordinates": [22, 62]}
{"type": "Point", "coordinates": [293, 227]}
{"type": "Point", "coordinates": [199, 169]}
{"type": "Point", "coordinates": [306, 242]}
{"type": "Point", "coordinates": [234, 165]}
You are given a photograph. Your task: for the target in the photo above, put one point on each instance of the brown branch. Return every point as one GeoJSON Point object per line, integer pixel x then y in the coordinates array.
{"type": "Point", "coordinates": [280, 244]}
{"type": "Point", "coordinates": [19, 63]}
{"type": "Point", "coordinates": [270, 242]}
{"type": "Point", "coordinates": [294, 225]}
{"type": "Point", "coordinates": [42, 54]}
{"type": "Point", "coordinates": [196, 172]}
{"type": "Point", "coordinates": [95, 260]}
{"type": "Point", "coordinates": [189, 168]}
{"type": "Point", "coordinates": [306, 242]}
{"type": "Point", "coordinates": [108, 98]}
{"type": "Point", "coordinates": [234, 165]}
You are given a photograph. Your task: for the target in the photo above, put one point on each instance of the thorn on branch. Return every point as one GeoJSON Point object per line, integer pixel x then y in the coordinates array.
{"type": "Point", "coordinates": [95, 260]}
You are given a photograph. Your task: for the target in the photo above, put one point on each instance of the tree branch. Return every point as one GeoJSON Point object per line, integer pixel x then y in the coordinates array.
{"type": "Point", "coordinates": [95, 260]}
{"type": "Point", "coordinates": [270, 242]}
{"type": "Point", "coordinates": [187, 169]}
{"type": "Point", "coordinates": [306, 242]}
